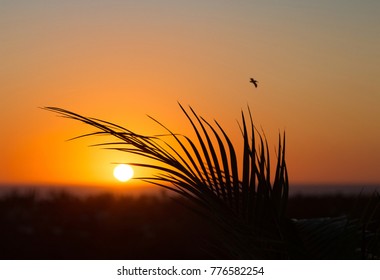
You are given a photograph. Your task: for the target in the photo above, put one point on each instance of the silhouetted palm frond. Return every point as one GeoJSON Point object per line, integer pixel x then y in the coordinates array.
{"type": "Point", "coordinates": [240, 198]}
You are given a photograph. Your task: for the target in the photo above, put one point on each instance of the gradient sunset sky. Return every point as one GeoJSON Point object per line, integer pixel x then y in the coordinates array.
{"type": "Point", "coordinates": [317, 63]}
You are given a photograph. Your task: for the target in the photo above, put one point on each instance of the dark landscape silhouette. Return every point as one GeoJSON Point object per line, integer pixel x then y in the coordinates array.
{"type": "Point", "coordinates": [106, 226]}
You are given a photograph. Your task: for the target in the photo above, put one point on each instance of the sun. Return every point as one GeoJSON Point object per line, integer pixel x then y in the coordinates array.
{"type": "Point", "coordinates": [123, 172]}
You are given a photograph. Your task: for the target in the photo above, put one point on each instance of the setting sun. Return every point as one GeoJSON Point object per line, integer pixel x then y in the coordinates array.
{"type": "Point", "coordinates": [123, 172]}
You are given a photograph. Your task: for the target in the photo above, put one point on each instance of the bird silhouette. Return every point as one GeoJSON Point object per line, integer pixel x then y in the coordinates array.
{"type": "Point", "coordinates": [254, 82]}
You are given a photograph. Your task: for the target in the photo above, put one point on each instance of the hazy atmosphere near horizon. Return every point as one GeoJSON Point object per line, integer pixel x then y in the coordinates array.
{"type": "Point", "coordinates": [317, 64]}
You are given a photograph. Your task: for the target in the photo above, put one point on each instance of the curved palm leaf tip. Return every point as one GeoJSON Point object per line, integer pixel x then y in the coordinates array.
{"type": "Point", "coordinates": [239, 197]}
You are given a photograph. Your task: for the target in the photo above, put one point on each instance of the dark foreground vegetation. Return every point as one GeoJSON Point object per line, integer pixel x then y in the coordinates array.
{"type": "Point", "coordinates": [64, 226]}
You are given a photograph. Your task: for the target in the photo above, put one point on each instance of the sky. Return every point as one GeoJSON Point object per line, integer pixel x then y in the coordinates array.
{"type": "Point", "coordinates": [317, 64]}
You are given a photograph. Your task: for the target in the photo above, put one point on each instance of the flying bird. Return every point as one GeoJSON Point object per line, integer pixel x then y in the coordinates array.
{"type": "Point", "coordinates": [254, 82]}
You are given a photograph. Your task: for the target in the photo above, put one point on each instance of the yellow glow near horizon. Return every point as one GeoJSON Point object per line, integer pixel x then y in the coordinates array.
{"type": "Point", "coordinates": [123, 172]}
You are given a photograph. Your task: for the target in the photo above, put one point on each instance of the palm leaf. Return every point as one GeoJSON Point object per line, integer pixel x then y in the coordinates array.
{"type": "Point", "coordinates": [243, 204]}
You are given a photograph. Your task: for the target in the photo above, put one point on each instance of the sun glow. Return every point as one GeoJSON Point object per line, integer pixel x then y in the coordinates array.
{"type": "Point", "coordinates": [123, 172]}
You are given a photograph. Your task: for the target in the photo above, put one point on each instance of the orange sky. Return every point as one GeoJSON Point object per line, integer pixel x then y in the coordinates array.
{"type": "Point", "coordinates": [317, 63]}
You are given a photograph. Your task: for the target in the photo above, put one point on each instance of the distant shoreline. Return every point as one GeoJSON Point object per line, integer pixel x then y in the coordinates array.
{"type": "Point", "coordinates": [132, 190]}
{"type": "Point", "coordinates": [80, 190]}
{"type": "Point", "coordinates": [331, 189]}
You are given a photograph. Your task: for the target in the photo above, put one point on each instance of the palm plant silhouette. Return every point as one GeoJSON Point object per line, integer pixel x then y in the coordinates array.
{"type": "Point", "coordinates": [247, 208]}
